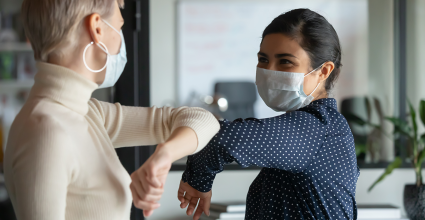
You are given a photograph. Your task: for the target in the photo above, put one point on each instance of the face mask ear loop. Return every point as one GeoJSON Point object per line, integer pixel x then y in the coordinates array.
{"type": "Point", "coordinates": [111, 27]}
{"type": "Point", "coordinates": [314, 89]}
{"type": "Point", "coordinates": [119, 33]}
{"type": "Point", "coordinates": [314, 70]}
{"type": "Point", "coordinates": [310, 73]}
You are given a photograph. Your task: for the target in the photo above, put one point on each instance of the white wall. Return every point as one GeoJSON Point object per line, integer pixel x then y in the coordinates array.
{"type": "Point", "coordinates": [233, 185]}
{"type": "Point", "coordinates": [162, 52]}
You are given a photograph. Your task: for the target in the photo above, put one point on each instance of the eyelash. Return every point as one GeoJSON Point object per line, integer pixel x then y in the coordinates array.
{"type": "Point", "coordinates": [286, 61]}
{"type": "Point", "coordinates": [283, 61]}
{"type": "Point", "coordinates": [262, 60]}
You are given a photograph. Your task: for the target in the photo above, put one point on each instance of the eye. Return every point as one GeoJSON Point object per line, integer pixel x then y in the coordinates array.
{"type": "Point", "coordinates": [262, 60]}
{"type": "Point", "coordinates": [285, 61]}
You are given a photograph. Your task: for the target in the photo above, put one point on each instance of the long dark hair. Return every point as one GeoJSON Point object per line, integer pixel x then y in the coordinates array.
{"type": "Point", "coordinates": [314, 34]}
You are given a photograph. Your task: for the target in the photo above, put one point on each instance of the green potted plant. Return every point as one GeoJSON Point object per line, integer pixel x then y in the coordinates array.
{"type": "Point", "coordinates": [414, 194]}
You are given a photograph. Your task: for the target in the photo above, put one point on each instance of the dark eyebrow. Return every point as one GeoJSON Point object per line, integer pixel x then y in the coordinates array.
{"type": "Point", "coordinates": [262, 54]}
{"type": "Point", "coordinates": [285, 55]}
{"type": "Point", "coordinates": [277, 55]}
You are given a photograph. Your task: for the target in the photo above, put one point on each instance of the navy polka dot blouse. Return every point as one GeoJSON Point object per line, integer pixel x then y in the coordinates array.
{"type": "Point", "coordinates": [309, 163]}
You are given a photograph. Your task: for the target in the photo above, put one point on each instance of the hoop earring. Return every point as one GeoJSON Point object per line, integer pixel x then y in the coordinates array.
{"type": "Point", "coordinates": [104, 49]}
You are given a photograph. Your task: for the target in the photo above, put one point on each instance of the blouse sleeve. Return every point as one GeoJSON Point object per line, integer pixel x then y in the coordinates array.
{"type": "Point", "coordinates": [138, 126]}
{"type": "Point", "coordinates": [287, 142]}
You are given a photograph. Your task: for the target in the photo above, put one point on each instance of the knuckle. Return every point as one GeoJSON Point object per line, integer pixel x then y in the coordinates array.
{"type": "Point", "coordinates": [148, 189]}
{"type": "Point", "coordinates": [137, 204]}
{"type": "Point", "coordinates": [140, 205]}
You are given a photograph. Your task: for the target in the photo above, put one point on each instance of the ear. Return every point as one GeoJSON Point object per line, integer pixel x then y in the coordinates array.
{"type": "Point", "coordinates": [93, 22]}
{"type": "Point", "coordinates": [326, 70]}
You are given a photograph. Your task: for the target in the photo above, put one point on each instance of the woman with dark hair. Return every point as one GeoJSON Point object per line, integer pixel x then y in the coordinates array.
{"type": "Point", "coordinates": [307, 154]}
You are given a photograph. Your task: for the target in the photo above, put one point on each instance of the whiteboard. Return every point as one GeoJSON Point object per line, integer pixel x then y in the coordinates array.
{"type": "Point", "coordinates": [219, 41]}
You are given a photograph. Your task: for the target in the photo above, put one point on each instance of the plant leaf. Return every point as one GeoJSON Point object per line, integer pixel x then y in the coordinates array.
{"type": "Point", "coordinates": [360, 148]}
{"type": "Point", "coordinates": [413, 117]}
{"type": "Point", "coordinates": [395, 164]}
{"type": "Point", "coordinates": [422, 139]}
{"type": "Point", "coordinates": [368, 109]}
{"type": "Point", "coordinates": [379, 109]}
{"type": "Point", "coordinates": [422, 111]}
{"type": "Point", "coordinates": [400, 126]}
{"type": "Point", "coordinates": [422, 153]}
{"type": "Point", "coordinates": [421, 158]}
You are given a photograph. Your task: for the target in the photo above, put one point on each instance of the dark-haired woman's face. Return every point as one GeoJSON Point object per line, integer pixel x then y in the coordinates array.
{"type": "Point", "coordinates": [281, 53]}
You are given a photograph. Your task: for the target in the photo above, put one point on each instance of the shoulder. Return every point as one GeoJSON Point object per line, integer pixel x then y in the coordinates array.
{"type": "Point", "coordinates": [42, 129]}
{"type": "Point", "coordinates": [41, 124]}
{"type": "Point", "coordinates": [38, 138]}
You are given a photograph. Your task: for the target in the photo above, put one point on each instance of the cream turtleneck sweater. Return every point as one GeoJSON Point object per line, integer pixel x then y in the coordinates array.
{"type": "Point", "coordinates": [60, 161]}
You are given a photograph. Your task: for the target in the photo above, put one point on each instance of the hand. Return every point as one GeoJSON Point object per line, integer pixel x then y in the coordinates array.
{"type": "Point", "coordinates": [189, 195]}
{"type": "Point", "coordinates": [148, 181]}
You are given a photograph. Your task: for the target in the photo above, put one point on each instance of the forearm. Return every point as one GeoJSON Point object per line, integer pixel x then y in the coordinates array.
{"type": "Point", "coordinates": [183, 137]}
{"type": "Point", "coordinates": [202, 167]}
{"type": "Point", "coordinates": [140, 126]}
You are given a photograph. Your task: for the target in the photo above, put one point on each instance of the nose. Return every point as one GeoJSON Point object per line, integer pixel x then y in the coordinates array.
{"type": "Point", "coordinates": [271, 66]}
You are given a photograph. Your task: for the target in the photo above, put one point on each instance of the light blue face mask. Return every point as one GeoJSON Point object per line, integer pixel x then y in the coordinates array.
{"type": "Point", "coordinates": [114, 63]}
{"type": "Point", "coordinates": [283, 91]}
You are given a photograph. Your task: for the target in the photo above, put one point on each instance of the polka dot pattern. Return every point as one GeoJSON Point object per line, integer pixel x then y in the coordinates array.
{"type": "Point", "coordinates": [308, 157]}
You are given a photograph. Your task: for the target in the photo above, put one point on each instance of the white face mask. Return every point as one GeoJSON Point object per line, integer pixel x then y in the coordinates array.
{"type": "Point", "coordinates": [283, 91]}
{"type": "Point", "coordinates": [114, 63]}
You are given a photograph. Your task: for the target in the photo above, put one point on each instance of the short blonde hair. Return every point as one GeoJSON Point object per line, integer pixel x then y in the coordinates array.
{"type": "Point", "coordinates": [51, 24]}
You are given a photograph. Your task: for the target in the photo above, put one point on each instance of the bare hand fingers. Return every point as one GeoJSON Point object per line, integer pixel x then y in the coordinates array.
{"type": "Point", "coordinates": [199, 210]}
{"type": "Point", "coordinates": [186, 201]}
{"type": "Point", "coordinates": [151, 190]}
{"type": "Point", "coordinates": [147, 213]}
{"type": "Point", "coordinates": [206, 205]}
{"type": "Point", "coordinates": [151, 198]}
{"type": "Point", "coordinates": [136, 188]}
{"type": "Point", "coordinates": [153, 194]}
{"type": "Point", "coordinates": [180, 195]}
{"type": "Point", "coordinates": [138, 203]}
{"type": "Point", "coordinates": [192, 205]}
{"type": "Point", "coordinates": [146, 206]}
{"type": "Point", "coordinates": [152, 177]}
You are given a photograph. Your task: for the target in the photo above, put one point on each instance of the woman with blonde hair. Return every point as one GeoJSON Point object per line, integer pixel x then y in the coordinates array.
{"type": "Point", "coordinates": [60, 160]}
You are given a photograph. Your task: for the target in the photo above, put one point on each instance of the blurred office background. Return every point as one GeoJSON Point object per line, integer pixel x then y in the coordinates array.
{"type": "Point", "coordinates": [203, 53]}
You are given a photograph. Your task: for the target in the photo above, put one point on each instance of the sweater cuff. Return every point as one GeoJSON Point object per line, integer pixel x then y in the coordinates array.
{"type": "Point", "coordinates": [202, 122]}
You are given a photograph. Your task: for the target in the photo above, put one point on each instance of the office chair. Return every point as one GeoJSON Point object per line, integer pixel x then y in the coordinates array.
{"type": "Point", "coordinates": [240, 97]}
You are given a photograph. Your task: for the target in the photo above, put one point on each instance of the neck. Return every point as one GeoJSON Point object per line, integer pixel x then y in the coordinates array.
{"type": "Point", "coordinates": [322, 95]}
{"type": "Point", "coordinates": [64, 86]}
{"type": "Point", "coordinates": [73, 60]}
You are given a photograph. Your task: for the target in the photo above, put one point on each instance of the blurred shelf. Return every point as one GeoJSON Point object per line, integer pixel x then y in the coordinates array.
{"type": "Point", "coordinates": [15, 47]}
{"type": "Point", "coordinates": [8, 85]}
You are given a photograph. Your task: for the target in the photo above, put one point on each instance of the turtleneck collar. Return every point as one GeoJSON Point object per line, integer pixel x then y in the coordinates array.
{"type": "Point", "coordinates": [64, 86]}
